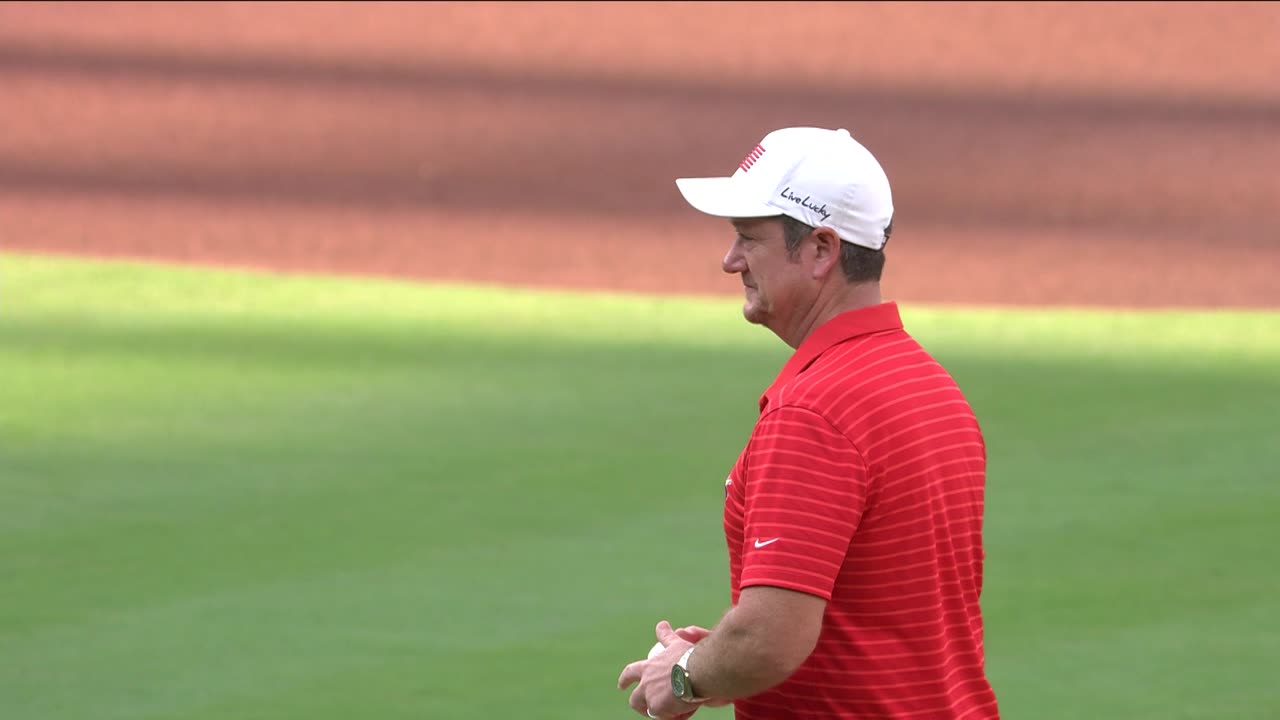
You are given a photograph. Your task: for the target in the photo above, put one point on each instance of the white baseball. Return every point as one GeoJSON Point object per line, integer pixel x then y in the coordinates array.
{"type": "Point", "coordinates": [656, 649]}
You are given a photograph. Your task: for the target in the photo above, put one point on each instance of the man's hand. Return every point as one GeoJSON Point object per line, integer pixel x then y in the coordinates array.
{"type": "Point", "coordinates": [653, 696]}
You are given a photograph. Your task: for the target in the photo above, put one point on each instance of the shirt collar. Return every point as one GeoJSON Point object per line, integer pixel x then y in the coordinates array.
{"type": "Point", "coordinates": [845, 326]}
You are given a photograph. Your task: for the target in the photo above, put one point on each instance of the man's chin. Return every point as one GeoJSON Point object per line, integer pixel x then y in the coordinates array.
{"type": "Point", "coordinates": [753, 314]}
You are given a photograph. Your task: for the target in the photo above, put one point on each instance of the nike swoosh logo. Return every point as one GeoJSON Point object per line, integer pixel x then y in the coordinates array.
{"type": "Point", "coordinates": [766, 542]}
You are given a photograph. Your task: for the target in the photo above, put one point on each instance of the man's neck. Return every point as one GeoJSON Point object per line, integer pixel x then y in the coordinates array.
{"type": "Point", "coordinates": [825, 307]}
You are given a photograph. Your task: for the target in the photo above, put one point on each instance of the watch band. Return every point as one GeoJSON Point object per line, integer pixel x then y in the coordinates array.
{"type": "Point", "coordinates": [683, 662]}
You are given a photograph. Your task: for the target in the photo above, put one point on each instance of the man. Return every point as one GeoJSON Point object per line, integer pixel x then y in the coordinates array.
{"type": "Point", "coordinates": [854, 514]}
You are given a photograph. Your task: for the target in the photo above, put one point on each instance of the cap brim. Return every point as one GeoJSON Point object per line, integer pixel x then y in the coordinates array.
{"type": "Point", "coordinates": [722, 197]}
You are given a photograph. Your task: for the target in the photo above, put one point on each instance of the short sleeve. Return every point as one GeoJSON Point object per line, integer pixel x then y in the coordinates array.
{"type": "Point", "coordinates": [805, 491]}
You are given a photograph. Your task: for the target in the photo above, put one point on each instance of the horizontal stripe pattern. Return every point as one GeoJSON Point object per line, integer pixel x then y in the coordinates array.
{"type": "Point", "coordinates": [864, 479]}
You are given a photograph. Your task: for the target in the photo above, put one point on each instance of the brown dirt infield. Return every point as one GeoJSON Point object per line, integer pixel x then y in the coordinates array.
{"type": "Point", "coordinates": [1041, 153]}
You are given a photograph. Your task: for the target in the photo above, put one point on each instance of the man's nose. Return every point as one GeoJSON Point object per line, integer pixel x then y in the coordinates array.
{"type": "Point", "coordinates": [733, 261]}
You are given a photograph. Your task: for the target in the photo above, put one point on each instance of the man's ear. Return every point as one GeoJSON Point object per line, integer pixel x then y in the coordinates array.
{"type": "Point", "coordinates": [826, 249]}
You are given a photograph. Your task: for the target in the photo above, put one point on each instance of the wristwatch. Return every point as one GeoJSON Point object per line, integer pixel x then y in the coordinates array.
{"type": "Point", "coordinates": [680, 683]}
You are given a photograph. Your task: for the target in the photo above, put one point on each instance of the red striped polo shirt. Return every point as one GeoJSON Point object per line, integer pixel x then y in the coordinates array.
{"type": "Point", "coordinates": [862, 483]}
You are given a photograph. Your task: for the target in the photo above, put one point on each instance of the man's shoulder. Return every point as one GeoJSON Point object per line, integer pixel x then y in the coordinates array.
{"type": "Point", "coordinates": [858, 362]}
{"type": "Point", "coordinates": [856, 379]}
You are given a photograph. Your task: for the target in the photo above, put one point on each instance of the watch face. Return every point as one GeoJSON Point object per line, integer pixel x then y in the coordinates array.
{"type": "Point", "coordinates": [678, 681]}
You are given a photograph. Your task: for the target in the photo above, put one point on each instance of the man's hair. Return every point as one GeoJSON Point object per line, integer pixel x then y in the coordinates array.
{"type": "Point", "coordinates": [858, 263]}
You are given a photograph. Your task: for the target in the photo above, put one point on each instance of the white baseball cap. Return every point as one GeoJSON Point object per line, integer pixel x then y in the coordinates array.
{"type": "Point", "coordinates": [823, 178]}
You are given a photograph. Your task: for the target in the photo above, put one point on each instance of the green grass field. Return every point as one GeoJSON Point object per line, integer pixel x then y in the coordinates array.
{"type": "Point", "coordinates": [235, 495]}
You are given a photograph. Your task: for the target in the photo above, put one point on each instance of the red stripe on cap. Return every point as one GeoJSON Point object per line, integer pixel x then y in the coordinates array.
{"type": "Point", "coordinates": [751, 158]}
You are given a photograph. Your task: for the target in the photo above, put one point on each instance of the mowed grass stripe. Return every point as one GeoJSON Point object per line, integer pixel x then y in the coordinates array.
{"type": "Point", "coordinates": [233, 494]}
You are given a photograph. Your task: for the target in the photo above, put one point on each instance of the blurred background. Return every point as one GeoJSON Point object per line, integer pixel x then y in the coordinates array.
{"type": "Point", "coordinates": [361, 360]}
{"type": "Point", "coordinates": [1120, 153]}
